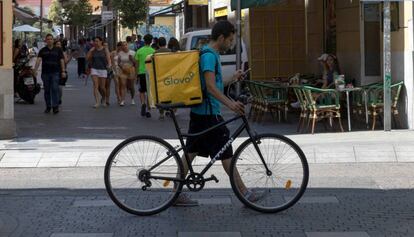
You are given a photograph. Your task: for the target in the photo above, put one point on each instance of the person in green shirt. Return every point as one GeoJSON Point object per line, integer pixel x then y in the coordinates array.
{"type": "Point", "coordinates": [140, 57]}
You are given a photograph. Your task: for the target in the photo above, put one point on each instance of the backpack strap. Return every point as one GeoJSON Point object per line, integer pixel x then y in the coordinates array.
{"type": "Point", "coordinates": [204, 89]}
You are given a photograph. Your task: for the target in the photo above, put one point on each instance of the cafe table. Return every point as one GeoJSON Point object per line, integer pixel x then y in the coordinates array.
{"type": "Point", "coordinates": [347, 91]}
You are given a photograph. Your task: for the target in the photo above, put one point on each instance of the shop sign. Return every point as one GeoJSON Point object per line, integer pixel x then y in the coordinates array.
{"type": "Point", "coordinates": [220, 12]}
{"type": "Point", "coordinates": [198, 2]}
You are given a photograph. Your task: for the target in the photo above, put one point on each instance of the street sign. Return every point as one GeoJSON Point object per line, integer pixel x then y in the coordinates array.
{"type": "Point", "coordinates": [198, 2]}
{"type": "Point", "coordinates": [107, 15]}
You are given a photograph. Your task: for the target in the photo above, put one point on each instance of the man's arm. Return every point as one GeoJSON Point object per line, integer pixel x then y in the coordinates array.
{"type": "Point", "coordinates": [235, 106]}
{"type": "Point", "coordinates": [38, 60]}
{"type": "Point", "coordinates": [89, 54]}
{"type": "Point", "coordinates": [108, 58]}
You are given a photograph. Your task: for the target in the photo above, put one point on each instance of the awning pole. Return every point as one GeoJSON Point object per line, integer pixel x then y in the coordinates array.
{"type": "Point", "coordinates": [387, 66]}
{"type": "Point", "coordinates": [238, 42]}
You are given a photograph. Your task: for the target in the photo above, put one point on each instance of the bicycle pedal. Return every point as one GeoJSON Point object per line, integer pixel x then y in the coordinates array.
{"type": "Point", "coordinates": [214, 178]}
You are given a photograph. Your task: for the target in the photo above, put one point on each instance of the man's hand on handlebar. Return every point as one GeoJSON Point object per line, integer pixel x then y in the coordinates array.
{"type": "Point", "coordinates": [237, 107]}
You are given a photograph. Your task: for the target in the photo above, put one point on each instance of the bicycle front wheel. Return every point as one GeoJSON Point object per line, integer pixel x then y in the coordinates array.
{"type": "Point", "coordinates": [273, 191]}
{"type": "Point", "coordinates": [130, 173]}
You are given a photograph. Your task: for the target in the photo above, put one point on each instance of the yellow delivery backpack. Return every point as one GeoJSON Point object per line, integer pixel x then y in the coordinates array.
{"type": "Point", "coordinates": [174, 78]}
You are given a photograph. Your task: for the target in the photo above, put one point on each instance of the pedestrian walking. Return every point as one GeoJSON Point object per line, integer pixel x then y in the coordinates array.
{"type": "Point", "coordinates": [80, 54]}
{"type": "Point", "coordinates": [108, 78]}
{"type": "Point", "coordinates": [116, 70]}
{"type": "Point", "coordinates": [140, 57]}
{"type": "Point", "coordinates": [131, 44]}
{"type": "Point", "coordinates": [53, 64]}
{"type": "Point", "coordinates": [127, 75]}
{"type": "Point", "coordinates": [63, 78]}
{"type": "Point", "coordinates": [162, 42]}
{"type": "Point", "coordinates": [155, 44]}
{"type": "Point", "coordinates": [100, 61]}
{"type": "Point", "coordinates": [139, 42]}
{"type": "Point", "coordinates": [173, 44]}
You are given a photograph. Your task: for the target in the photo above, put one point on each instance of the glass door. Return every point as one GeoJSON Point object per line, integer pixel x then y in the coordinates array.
{"type": "Point", "coordinates": [370, 42]}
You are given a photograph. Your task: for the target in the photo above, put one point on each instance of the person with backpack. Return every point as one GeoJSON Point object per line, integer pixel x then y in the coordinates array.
{"type": "Point", "coordinates": [140, 57]}
{"type": "Point", "coordinates": [208, 113]}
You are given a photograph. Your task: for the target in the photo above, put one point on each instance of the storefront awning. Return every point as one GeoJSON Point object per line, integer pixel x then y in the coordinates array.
{"type": "Point", "coordinates": [26, 16]}
{"type": "Point", "coordinates": [253, 3]}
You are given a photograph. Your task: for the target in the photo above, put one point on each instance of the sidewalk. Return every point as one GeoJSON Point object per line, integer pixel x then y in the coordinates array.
{"type": "Point", "coordinates": [355, 147]}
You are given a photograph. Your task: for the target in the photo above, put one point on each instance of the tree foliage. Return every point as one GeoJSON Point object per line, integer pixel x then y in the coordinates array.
{"type": "Point", "coordinates": [56, 13]}
{"type": "Point", "coordinates": [131, 12]}
{"type": "Point", "coordinates": [78, 13]}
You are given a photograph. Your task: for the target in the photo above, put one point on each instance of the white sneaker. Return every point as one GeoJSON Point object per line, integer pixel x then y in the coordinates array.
{"type": "Point", "coordinates": [295, 105]}
{"type": "Point", "coordinates": [132, 102]}
{"type": "Point", "coordinates": [122, 103]}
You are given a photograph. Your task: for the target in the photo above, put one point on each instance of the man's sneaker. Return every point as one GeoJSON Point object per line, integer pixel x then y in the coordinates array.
{"type": "Point", "coordinates": [143, 109]}
{"type": "Point", "coordinates": [47, 110]}
{"type": "Point", "coordinates": [185, 201]}
{"type": "Point", "coordinates": [55, 110]}
{"type": "Point", "coordinates": [255, 196]}
{"type": "Point", "coordinates": [132, 102]}
{"type": "Point", "coordinates": [148, 114]}
{"type": "Point", "coordinates": [295, 105]}
{"type": "Point", "coordinates": [122, 103]}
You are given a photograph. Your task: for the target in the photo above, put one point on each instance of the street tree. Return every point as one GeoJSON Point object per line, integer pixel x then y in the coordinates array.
{"type": "Point", "coordinates": [56, 13]}
{"type": "Point", "coordinates": [131, 12]}
{"type": "Point", "coordinates": [77, 13]}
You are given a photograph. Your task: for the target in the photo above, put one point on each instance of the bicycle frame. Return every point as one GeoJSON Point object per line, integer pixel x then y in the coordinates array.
{"type": "Point", "coordinates": [244, 126]}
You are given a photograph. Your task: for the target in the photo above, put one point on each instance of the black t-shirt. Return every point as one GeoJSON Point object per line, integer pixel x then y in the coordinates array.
{"type": "Point", "coordinates": [51, 59]}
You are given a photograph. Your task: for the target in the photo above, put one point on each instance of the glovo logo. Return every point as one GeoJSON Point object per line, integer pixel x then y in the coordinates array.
{"type": "Point", "coordinates": [170, 81]}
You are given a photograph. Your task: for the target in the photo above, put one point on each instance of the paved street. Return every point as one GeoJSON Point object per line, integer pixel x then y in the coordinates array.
{"type": "Point", "coordinates": [51, 179]}
{"type": "Point", "coordinates": [347, 199]}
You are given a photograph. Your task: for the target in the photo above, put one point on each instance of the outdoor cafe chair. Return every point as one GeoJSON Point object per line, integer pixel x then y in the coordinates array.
{"type": "Point", "coordinates": [376, 102]}
{"type": "Point", "coordinates": [322, 104]}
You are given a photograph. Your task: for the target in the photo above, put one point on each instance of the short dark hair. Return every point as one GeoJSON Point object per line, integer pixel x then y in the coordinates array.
{"type": "Point", "coordinates": [139, 36]}
{"type": "Point", "coordinates": [148, 39]}
{"type": "Point", "coordinates": [128, 39]}
{"type": "Point", "coordinates": [162, 42]}
{"type": "Point", "coordinates": [119, 44]}
{"type": "Point", "coordinates": [224, 28]}
{"type": "Point", "coordinates": [49, 35]}
{"type": "Point", "coordinates": [99, 38]}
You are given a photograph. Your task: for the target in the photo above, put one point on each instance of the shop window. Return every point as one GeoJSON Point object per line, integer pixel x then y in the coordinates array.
{"type": "Point", "coordinates": [330, 26]}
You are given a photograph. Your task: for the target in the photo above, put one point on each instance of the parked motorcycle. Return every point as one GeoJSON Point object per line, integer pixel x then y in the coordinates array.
{"type": "Point", "coordinates": [27, 87]}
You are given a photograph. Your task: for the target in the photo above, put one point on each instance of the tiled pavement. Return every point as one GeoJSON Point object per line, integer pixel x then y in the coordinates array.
{"type": "Point", "coordinates": [322, 213]}
{"type": "Point", "coordinates": [357, 147]}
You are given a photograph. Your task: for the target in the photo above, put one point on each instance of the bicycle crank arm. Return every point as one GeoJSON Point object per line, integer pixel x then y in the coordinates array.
{"type": "Point", "coordinates": [211, 179]}
{"type": "Point", "coordinates": [166, 178]}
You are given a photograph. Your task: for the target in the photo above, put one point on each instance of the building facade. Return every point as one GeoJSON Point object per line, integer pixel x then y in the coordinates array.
{"type": "Point", "coordinates": [288, 37]}
{"type": "Point", "coordinates": [7, 123]}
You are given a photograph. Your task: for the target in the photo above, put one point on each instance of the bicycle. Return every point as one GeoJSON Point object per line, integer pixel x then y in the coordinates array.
{"type": "Point", "coordinates": [150, 180]}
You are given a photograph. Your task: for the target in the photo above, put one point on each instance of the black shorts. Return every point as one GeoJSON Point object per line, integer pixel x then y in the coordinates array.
{"type": "Point", "coordinates": [142, 83]}
{"type": "Point", "coordinates": [212, 142]}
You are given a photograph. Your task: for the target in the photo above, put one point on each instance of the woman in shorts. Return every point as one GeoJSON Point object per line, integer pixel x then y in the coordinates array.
{"type": "Point", "coordinates": [127, 76]}
{"type": "Point", "coordinates": [100, 61]}
{"type": "Point", "coordinates": [116, 70]}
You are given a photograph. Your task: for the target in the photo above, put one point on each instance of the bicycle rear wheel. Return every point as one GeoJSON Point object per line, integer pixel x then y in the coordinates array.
{"type": "Point", "coordinates": [273, 192]}
{"type": "Point", "coordinates": [128, 175]}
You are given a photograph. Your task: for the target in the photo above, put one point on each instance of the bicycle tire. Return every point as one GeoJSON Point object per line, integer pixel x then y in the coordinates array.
{"type": "Point", "coordinates": [117, 198]}
{"type": "Point", "coordinates": [299, 191]}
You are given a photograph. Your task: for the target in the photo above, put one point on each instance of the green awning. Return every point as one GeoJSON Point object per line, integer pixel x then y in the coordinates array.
{"type": "Point", "coordinates": [253, 3]}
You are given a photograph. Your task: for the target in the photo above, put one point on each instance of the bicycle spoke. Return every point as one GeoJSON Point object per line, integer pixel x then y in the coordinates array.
{"type": "Point", "coordinates": [127, 175]}
{"type": "Point", "coordinates": [273, 192]}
